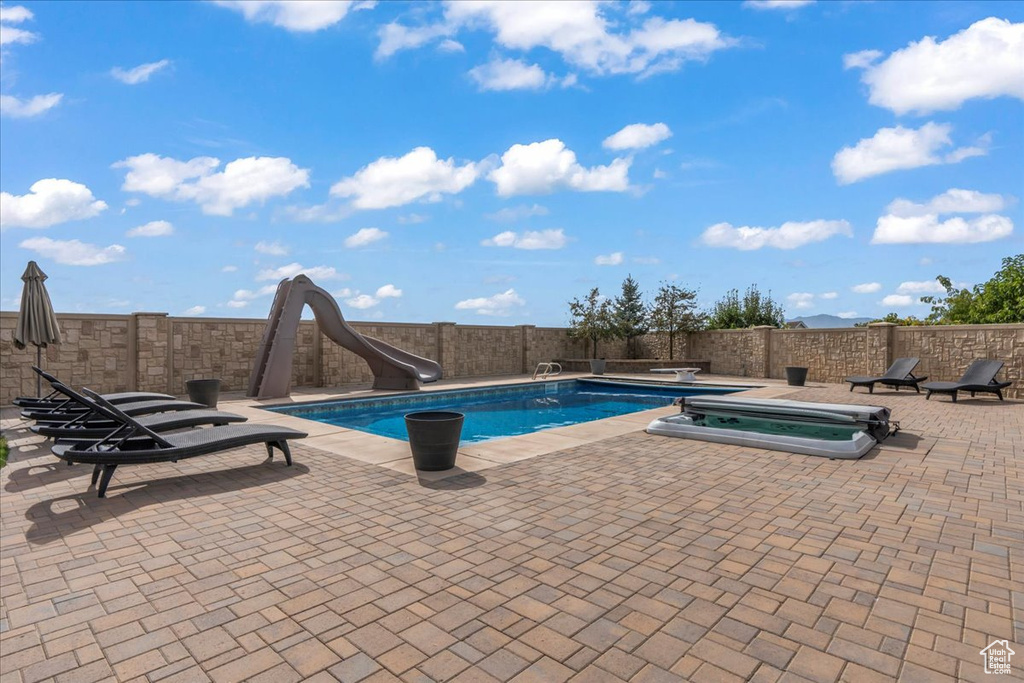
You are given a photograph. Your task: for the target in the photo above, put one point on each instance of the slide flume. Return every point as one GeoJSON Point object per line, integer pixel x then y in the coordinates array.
{"type": "Point", "coordinates": [392, 367]}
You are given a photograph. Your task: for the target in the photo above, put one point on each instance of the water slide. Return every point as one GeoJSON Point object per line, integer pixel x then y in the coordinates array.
{"type": "Point", "coordinates": [271, 376]}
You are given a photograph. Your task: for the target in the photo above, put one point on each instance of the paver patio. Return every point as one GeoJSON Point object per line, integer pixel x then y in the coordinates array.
{"type": "Point", "coordinates": [636, 558]}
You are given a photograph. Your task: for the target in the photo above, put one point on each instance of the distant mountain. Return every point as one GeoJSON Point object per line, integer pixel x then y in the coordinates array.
{"type": "Point", "coordinates": [826, 320]}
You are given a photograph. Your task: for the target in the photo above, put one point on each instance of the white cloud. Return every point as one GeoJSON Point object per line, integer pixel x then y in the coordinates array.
{"type": "Point", "coordinates": [363, 301]}
{"type": "Point", "coordinates": [613, 259]}
{"type": "Point", "coordinates": [777, 4]}
{"type": "Point", "coordinates": [579, 31]}
{"type": "Point", "coordinates": [899, 148]}
{"type": "Point", "coordinates": [517, 213]}
{"type": "Point", "coordinates": [543, 167]}
{"type": "Point", "coordinates": [388, 291]}
{"type": "Point", "coordinates": [242, 297]}
{"type": "Point", "coordinates": [930, 230]}
{"type": "Point", "coordinates": [74, 252]}
{"type": "Point", "coordinates": [293, 269]}
{"type": "Point", "coordinates": [531, 239]}
{"type": "Point", "coordinates": [140, 73]}
{"type": "Point", "coordinates": [195, 310]}
{"type": "Point", "coordinates": [982, 61]}
{"type": "Point", "coordinates": [9, 35]}
{"type": "Point", "coordinates": [229, 269]}
{"type": "Point", "coordinates": [898, 300]}
{"type": "Point", "coordinates": [14, 14]}
{"type": "Point", "coordinates": [50, 201]}
{"type": "Point", "coordinates": [951, 201]}
{"type": "Point", "coordinates": [501, 304]}
{"type": "Point", "coordinates": [638, 136]}
{"type": "Point", "coordinates": [242, 182]}
{"type": "Point", "coordinates": [920, 287]}
{"type": "Point", "coordinates": [910, 222]}
{"type": "Point", "coordinates": [789, 235]}
{"type": "Point", "coordinates": [861, 60]}
{"type": "Point", "coordinates": [391, 181]}
{"type": "Point", "coordinates": [867, 288]}
{"type": "Point", "coordinates": [395, 37]}
{"type": "Point", "coordinates": [152, 229]}
{"type": "Point", "coordinates": [364, 237]}
{"type": "Point", "coordinates": [274, 248]}
{"type": "Point", "coordinates": [34, 106]}
{"type": "Point", "coordinates": [296, 15]}
{"type": "Point", "coordinates": [509, 74]}
{"type": "Point", "coordinates": [829, 295]}
{"type": "Point", "coordinates": [582, 33]}
{"type": "Point", "coordinates": [847, 314]}
{"type": "Point", "coordinates": [659, 174]}
{"type": "Point", "coordinates": [342, 293]}
{"type": "Point", "coordinates": [412, 219]}
{"type": "Point", "coordinates": [328, 212]}
{"type": "Point", "coordinates": [801, 299]}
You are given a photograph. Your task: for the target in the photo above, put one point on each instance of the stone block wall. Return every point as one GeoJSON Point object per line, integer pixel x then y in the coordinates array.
{"type": "Point", "coordinates": [828, 355]}
{"type": "Point", "coordinates": [741, 353]}
{"type": "Point", "coordinates": [485, 351]}
{"type": "Point", "coordinates": [95, 353]}
{"type": "Point", "coordinates": [151, 351]}
{"type": "Point", "coordinates": [551, 343]}
{"type": "Point", "coordinates": [946, 351]}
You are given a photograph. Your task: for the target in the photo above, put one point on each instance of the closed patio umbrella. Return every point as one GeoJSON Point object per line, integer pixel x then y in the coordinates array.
{"type": "Point", "coordinates": [37, 323]}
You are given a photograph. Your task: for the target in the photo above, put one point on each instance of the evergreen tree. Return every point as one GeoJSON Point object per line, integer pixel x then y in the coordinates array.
{"type": "Point", "coordinates": [754, 309]}
{"type": "Point", "coordinates": [674, 310]}
{"type": "Point", "coordinates": [591, 319]}
{"type": "Point", "coordinates": [629, 315]}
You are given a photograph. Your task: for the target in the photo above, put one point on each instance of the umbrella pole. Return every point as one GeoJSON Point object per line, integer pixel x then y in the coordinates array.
{"type": "Point", "coordinates": [39, 364]}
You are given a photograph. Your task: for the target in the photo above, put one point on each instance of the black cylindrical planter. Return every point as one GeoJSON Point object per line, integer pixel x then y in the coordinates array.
{"type": "Point", "coordinates": [434, 438]}
{"type": "Point", "coordinates": [795, 377]}
{"type": "Point", "coordinates": [205, 391]}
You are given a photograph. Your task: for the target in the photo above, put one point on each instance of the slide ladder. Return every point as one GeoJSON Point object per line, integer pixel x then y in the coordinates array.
{"type": "Point", "coordinates": [271, 375]}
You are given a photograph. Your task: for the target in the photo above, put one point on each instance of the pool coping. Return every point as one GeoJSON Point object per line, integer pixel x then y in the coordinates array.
{"type": "Point", "coordinates": [394, 454]}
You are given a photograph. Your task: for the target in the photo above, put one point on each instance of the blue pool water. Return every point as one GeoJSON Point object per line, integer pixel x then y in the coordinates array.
{"type": "Point", "coordinates": [496, 412]}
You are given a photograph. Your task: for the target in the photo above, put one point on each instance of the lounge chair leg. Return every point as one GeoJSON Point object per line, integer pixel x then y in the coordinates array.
{"type": "Point", "coordinates": [954, 396]}
{"type": "Point", "coordinates": [851, 387]}
{"type": "Point", "coordinates": [270, 450]}
{"type": "Point", "coordinates": [95, 474]}
{"type": "Point", "coordinates": [972, 394]}
{"type": "Point", "coordinates": [283, 445]}
{"type": "Point", "coordinates": [871, 388]}
{"type": "Point", "coordinates": [917, 389]}
{"type": "Point", "coordinates": [108, 472]}
{"type": "Point", "coordinates": [999, 393]}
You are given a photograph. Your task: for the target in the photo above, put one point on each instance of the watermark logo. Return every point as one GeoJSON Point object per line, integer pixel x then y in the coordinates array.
{"type": "Point", "coordinates": [997, 657]}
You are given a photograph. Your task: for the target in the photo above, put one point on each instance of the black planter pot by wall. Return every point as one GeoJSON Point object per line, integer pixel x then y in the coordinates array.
{"type": "Point", "coordinates": [796, 376]}
{"type": "Point", "coordinates": [434, 438]}
{"type": "Point", "coordinates": [205, 391]}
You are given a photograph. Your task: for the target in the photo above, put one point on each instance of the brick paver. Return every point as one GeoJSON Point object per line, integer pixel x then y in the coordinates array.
{"type": "Point", "coordinates": [636, 558]}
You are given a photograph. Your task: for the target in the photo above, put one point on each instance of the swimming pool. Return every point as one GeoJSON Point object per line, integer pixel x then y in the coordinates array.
{"type": "Point", "coordinates": [499, 411]}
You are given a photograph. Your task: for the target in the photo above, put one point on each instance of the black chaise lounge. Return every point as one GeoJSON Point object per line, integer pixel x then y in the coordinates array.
{"type": "Point", "coordinates": [135, 408]}
{"type": "Point", "coordinates": [122, 447]}
{"type": "Point", "coordinates": [980, 378]}
{"type": "Point", "coordinates": [899, 374]}
{"type": "Point", "coordinates": [91, 425]}
{"type": "Point", "coordinates": [55, 399]}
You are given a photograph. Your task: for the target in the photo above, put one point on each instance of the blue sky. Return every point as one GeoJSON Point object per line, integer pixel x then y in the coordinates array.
{"type": "Point", "coordinates": [486, 162]}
